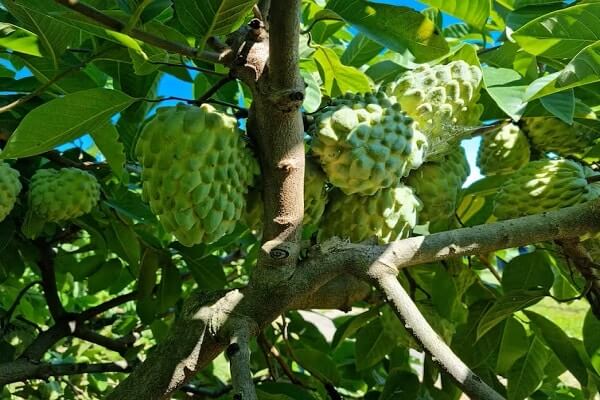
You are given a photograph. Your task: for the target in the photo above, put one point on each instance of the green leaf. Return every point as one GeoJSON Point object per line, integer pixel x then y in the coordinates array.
{"type": "Point", "coordinates": [505, 306]}
{"type": "Point", "coordinates": [562, 33]}
{"type": "Point", "coordinates": [560, 344]}
{"type": "Point", "coordinates": [360, 50]}
{"type": "Point", "coordinates": [395, 27]}
{"type": "Point", "coordinates": [337, 77]}
{"type": "Point", "coordinates": [318, 364]}
{"type": "Point", "coordinates": [513, 345]}
{"type": "Point", "coordinates": [18, 39]}
{"type": "Point", "coordinates": [373, 342]}
{"type": "Point", "coordinates": [591, 339]}
{"type": "Point", "coordinates": [528, 271]}
{"type": "Point", "coordinates": [562, 105]}
{"type": "Point", "coordinates": [581, 70]}
{"type": "Point", "coordinates": [282, 391]}
{"type": "Point", "coordinates": [105, 276]}
{"type": "Point", "coordinates": [351, 326]}
{"type": "Point", "coordinates": [206, 270]}
{"type": "Point", "coordinates": [211, 17]}
{"type": "Point", "coordinates": [385, 71]}
{"type": "Point", "coordinates": [312, 96]}
{"type": "Point", "coordinates": [169, 289]}
{"type": "Point", "coordinates": [401, 385]}
{"type": "Point", "coordinates": [473, 12]}
{"type": "Point", "coordinates": [44, 71]}
{"type": "Point", "coordinates": [127, 240]}
{"type": "Point", "coordinates": [147, 275]}
{"type": "Point", "coordinates": [106, 138]}
{"type": "Point", "coordinates": [528, 373]}
{"type": "Point", "coordinates": [507, 89]}
{"type": "Point", "coordinates": [64, 119]}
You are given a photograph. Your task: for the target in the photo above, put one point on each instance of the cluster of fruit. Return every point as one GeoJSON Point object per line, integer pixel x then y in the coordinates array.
{"type": "Point", "coordinates": [54, 195]}
{"type": "Point", "coordinates": [199, 176]}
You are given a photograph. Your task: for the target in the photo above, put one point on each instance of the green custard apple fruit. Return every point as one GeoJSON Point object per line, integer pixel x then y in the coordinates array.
{"type": "Point", "coordinates": [503, 151]}
{"type": "Point", "coordinates": [438, 185]}
{"type": "Point", "coordinates": [315, 198]}
{"type": "Point", "coordinates": [390, 214]}
{"type": "Point", "coordinates": [59, 195]}
{"type": "Point", "coordinates": [10, 186]}
{"type": "Point", "coordinates": [366, 143]}
{"type": "Point", "coordinates": [553, 135]}
{"type": "Point", "coordinates": [196, 170]}
{"type": "Point", "coordinates": [544, 185]}
{"type": "Point", "coordinates": [442, 99]}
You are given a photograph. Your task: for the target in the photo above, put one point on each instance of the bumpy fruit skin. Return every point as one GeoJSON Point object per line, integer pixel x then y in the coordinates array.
{"type": "Point", "coordinates": [366, 143]}
{"type": "Point", "coordinates": [503, 151]}
{"type": "Point", "coordinates": [544, 185]}
{"type": "Point", "coordinates": [59, 195]}
{"type": "Point", "coordinates": [438, 185]}
{"type": "Point", "coordinates": [388, 215]}
{"type": "Point", "coordinates": [315, 198]}
{"type": "Point", "coordinates": [9, 189]}
{"type": "Point", "coordinates": [196, 170]}
{"type": "Point", "coordinates": [442, 99]}
{"type": "Point", "coordinates": [552, 134]}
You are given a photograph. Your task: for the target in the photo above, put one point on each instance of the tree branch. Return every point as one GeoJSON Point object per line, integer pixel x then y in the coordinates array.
{"type": "Point", "coordinates": [23, 370]}
{"type": "Point", "coordinates": [238, 353]}
{"type": "Point", "coordinates": [101, 308]}
{"type": "Point", "coordinates": [46, 266]}
{"type": "Point", "coordinates": [114, 24]}
{"type": "Point", "coordinates": [415, 323]}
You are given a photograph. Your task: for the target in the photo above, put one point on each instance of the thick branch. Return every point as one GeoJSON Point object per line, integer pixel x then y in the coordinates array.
{"type": "Point", "coordinates": [114, 24]}
{"type": "Point", "coordinates": [23, 370]}
{"type": "Point", "coordinates": [415, 323]}
{"type": "Point", "coordinates": [238, 353]}
{"type": "Point", "coordinates": [46, 266]}
{"type": "Point", "coordinates": [197, 337]}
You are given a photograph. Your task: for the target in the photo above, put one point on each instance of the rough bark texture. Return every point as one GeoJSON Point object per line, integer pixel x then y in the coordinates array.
{"type": "Point", "coordinates": [201, 333]}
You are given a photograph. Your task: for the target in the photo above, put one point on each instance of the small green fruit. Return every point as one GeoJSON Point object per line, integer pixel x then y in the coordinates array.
{"type": "Point", "coordinates": [59, 195]}
{"type": "Point", "coordinates": [503, 151]}
{"type": "Point", "coordinates": [553, 135]}
{"type": "Point", "coordinates": [388, 215]}
{"type": "Point", "coordinates": [10, 186]}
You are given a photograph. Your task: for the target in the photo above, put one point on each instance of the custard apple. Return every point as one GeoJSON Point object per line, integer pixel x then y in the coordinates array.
{"type": "Point", "coordinates": [553, 135]}
{"type": "Point", "coordinates": [10, 186]}
{"type": "Point", "coordinates": [315, 198]}
{"type": "Point", "coordinates": [442, 99]}
{"type": "Point", "coordinates": [196, 170]}
{"type": "Point", "coordinates": [544, 185]}
{"type": "Point", "coordinates": [366, 143]}
{"type": "Point", "coordinates": [390, 214]}
{"type": "Point", "coordinates": [59, 195]}
{"type": "Point", "coordinates": [438, 185]}
{"type": "Point", "coordinates": [503, 151]}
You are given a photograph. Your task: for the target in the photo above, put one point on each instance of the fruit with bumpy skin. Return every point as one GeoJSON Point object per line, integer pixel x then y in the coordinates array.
{"type": "Point", "coordinates": [544, 185]}
{"type": "Point", "coordinates": [553, 135]}
{"type": "Point", "coordinates": [315, 198]}
{"type": "Point", "coordinates": [366, 143]}
{"type": "Point", "coordinates": [60, 195]}
{"type": "Point", "coordinates": [390, 214]}
{"type": "Point", "coordinates": [503, 151]}
{"type": "Point", "coordinates": [442, 99]}
{"type": "Point", "coordinates": [196, 170]}
{"type": "Point", "coordinates": [9, 189]}
{"type": "Point", "coordinates": [438, 185]}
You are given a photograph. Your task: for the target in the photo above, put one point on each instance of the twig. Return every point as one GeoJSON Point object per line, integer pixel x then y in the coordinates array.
{"type": "Point", "coordinates": [101, 308]}
{"type": "Point", "coordinates": [206, 392]}
{"type": "Point", "coordinates": [192, 67]}
{"type": "Point", "coordinates": [315, 21]}
{"type": "Point", "coordinates": [593, 178]}
{"type": "Point", "coordinates": [238, 353]}
{"type": "Point", "coordinates": [120, 345]}
{"type": "Point", "coordinates": [15, 303]}
{"type": "Point", "coordinates": [272, 351]}
{"type": "Point", "coordinates": [415, 323]}
{"type": "Point", "coordinates": [54, 155]}
{"type": "Point", "coordinates": [490, 268]}
{"type": "Point", "coordinates": [214, 89]}
{"type": "Point", "coordinates": [46, 266]}
{"type": "Point", "coordinates": [114, 24]}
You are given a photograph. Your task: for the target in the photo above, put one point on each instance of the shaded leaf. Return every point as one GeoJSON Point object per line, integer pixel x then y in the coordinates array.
{"type": "Point", "coordinates": [527, 374]}
{"type": "Point", "coordinates": [591, 339]}
{"type": "Point", "coordinates": [473, 12]}
{"type": "Point", "coordinates": [106, 138]}
{"type": "Point", "coordinates": [513, 345]}
{"type": "Point", "coordinates": [373, 342]}
{"type": "Point", "coordinates": [360, 50]}
{"type": "Point", "coordinates": [507, 89]}
{"type": "Point", "coordinates": [318, 364]}
{"type": "Point", "coordinates": [395, 27]}
{"type": "Point", "coordinates": [528, 271]}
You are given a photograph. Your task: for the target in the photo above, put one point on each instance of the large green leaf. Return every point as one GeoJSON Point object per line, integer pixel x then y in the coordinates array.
{"type": "Point", "coordinates": [507, 89]}
{"type": "Point", "coordinates": [106, 138]}
{"type": "Point", "coordinates": [506, 305]}
{"type": "Point", "coordinates": [18, 39]}
{"type": "Point", "coordinates": [528, 271]}
{"type": "Point", "coordinates": [513, 345]}
{"type": "Point", "coordinates": [64, 119]}
{"type": "Point", "coordinates": [44, 70]}
{"type": "Point", "coordinates": [318, 364]}
{"type": "Point", "coordinates": [211, 17]}
{"type": "Point", "coordinates": [337, 77]}
{"type": "Point", "coordinates": [527, 374]}
{"type": "Point", "coordinates": [473, 12]}
{"type": "Point", "coordinates": [373, 342]}
{"type": "Point", "coordinates": [562, 33]}
{"type": "Point", "coordinates": [360, 50]}
{"type": "Point", "coordinates": [591, 339]}
{"type": "Point", "coordinates": [560, 344]}
{"type": "Point", "coordinates": [583, 69]}
{"type": "Point", "coordinates": [395, 27]}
